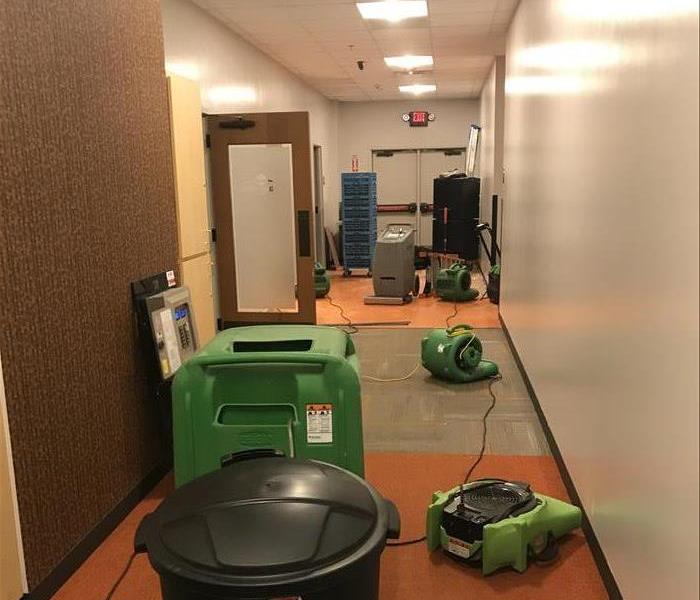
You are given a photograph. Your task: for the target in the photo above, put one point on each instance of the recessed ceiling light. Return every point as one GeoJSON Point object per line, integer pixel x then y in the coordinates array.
{"type": "Point", "coordinates": [393, 10]}
{"type": "Point", "coordinates": [417, 88]}
{"type": "Point", "coordinates": [408, 62]}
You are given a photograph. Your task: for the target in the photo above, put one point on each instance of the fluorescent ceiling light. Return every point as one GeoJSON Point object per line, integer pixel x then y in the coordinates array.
{"type": "Point", "coordinates": [408, 62]}
{"type": "Point", "coordinates": [393, 10]}
{"type": "Point", "coordinates": [417, 88]}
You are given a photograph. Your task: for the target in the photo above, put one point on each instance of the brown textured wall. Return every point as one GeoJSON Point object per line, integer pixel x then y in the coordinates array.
{"type": "Point", "coordinates": [86, 206]}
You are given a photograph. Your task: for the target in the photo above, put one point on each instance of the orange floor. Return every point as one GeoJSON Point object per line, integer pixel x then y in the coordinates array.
{"type": "Point", "coordinates": [407, 573]}
{"type": "Point", "coordinates": [349, 292]}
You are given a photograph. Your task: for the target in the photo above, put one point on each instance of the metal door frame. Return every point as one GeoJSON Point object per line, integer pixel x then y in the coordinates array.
{"type": "Point", "coordinates": [319, 225]}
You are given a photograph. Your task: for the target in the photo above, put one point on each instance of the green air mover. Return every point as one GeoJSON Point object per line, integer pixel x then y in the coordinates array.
{"type": "Point", "coordinates": [288, 388]}
{"type": "Point", "coordinates": [498, 523]}
{"type": "Point", "coordinates": [454, 354]}
{"type": "Point", "coordinates": [322, 283]}
{"type": "Point", "coordinates": [454, 284]}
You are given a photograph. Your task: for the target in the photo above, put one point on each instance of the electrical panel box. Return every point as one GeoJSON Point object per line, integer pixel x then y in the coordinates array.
{"type": "Point", "coordinates": [173, 327]}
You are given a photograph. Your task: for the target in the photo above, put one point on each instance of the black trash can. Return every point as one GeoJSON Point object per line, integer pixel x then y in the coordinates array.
{"type": "Point", "coordinates": [268, 528]}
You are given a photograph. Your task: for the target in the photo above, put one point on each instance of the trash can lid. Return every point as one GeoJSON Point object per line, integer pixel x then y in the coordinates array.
{"type": "Point", "coordinates": [265, 519]}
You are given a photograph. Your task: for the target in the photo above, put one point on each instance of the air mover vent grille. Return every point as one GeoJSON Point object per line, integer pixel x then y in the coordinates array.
{"type": "Point", "coordinates": [485, 502]}
{"type": "Point", "coordinates": [491, 497]}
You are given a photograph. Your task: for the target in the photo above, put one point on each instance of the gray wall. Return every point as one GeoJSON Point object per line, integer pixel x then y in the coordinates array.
{"type": "Point", "coordinates": [600, 283]}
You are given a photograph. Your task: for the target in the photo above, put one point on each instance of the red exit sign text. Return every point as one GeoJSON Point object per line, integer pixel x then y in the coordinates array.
{"type": "Point", "coordinates": [419, 118]}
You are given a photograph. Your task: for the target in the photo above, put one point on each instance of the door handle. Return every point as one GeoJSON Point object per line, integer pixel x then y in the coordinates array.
{"type": "Point", "coordinates": [304, 233]}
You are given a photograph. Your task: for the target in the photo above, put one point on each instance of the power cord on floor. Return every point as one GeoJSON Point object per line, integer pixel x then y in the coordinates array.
{"type": "Point", "coordinates": [110, 595]}
{"type": "Point", "coordinates": [455, 311]}
{"type": "Point", "coordinates": [494, 379]}
{"type": "Point", "coordinates": [404, 378]}
{"type": "Point", "coordinates": [350, 329]}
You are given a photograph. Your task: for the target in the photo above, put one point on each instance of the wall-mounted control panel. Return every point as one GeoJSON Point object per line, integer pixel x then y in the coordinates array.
{"type": "Point", "coordinates": [173, 327]}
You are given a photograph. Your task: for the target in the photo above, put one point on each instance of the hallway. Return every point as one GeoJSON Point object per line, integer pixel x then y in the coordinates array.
{"type": "Point", "coordinates": [192, 194]}
{"type": "Point", "coordinates": [420, 436]}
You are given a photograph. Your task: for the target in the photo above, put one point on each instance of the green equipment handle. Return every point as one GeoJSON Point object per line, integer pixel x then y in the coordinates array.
{"type": "Point", "coordinates": [240, 358]}
{"type": "Point", "coordinates": [458, 329]}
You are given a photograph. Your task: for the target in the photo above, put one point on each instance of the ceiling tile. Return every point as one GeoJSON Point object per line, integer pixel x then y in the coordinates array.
{"type": "Point", "coordinates": [463, 62]}
{"type": "Point", "coordinates": [324, 11]}
{"type": "Point", "coordinates": [509, 5]}
{"type": "Point", "coordinates": [461, 6]}
{"type": "Point", "coordinates": [313, 37]}
{"type": "Point", "coordinates": [502, 16]}
{"type": "Point", "coordinates": [453, 19]}
{"type": "Point", "coordinates": [460, 31]}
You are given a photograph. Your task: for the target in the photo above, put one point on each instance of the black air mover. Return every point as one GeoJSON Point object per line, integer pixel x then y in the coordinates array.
{"type": "Point", "coordinates": [270, 528]}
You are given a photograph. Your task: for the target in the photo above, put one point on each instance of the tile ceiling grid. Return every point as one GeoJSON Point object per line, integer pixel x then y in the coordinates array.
{"type": "Point", "coordinates": [313, 39]}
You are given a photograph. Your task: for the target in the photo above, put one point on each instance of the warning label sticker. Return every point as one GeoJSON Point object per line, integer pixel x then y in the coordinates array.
{"type": "Point", "coordinates": [459, 548]}
{"type": "Point", "coordinates": [319, 423]}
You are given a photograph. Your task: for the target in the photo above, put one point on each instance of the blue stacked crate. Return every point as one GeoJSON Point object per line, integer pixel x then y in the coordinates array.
{"type": "Point", "coordinates": [359, 214]}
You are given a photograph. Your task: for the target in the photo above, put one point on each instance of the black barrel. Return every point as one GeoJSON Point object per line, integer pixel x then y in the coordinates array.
{"type": "Point", "coordinates": [270, 528]}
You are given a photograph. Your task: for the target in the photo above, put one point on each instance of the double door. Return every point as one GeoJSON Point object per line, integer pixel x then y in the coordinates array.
{"type": "Point", "coordinates": [405, 186]}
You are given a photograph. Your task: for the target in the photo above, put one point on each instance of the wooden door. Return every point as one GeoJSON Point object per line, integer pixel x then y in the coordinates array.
{"type": "Point", "coordinates": [262, 204]}
{"type": "Point", "coordinates": [197, 276]}
{"type": "Point", "coordinates": [188, 162]}
{"type": "Point", "coordinates": [194, 241]}
{"type": "Point", "coordinates": [12, 577]}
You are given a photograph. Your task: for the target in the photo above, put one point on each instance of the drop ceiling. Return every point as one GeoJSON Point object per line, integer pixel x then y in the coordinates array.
{"type": "Point", "coordinates": [322, 40]}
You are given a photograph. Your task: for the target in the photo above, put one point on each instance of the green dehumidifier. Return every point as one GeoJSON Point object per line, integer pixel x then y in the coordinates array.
{"type": "Point", "coordinates": [293, 389]}
{"type": "Point", "coordinates": [496, 523]}
{"type": "Point", "coordinates": [454, 354]}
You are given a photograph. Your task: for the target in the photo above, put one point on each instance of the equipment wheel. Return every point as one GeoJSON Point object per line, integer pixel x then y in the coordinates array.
{"type": "Point", "coordinates": [549, 552]}
{"type": "Point", "coordinates": [347, 272]}
{"type": "Point", "coordinates": [369, 272]}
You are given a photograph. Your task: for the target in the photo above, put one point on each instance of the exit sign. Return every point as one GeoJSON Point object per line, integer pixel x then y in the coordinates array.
{"type": "Point", "coordinates": [418, 118]}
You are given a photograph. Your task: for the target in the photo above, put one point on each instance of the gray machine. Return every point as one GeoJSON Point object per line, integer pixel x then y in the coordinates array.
{"type": "Point", "coordinates": [174, 331]}
{"type": "Point", "coordinates": [393, 267]}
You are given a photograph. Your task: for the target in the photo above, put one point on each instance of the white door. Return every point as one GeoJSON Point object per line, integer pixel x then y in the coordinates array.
{"type": "Point", "coordinates": [432, 163]}
{"type": "Point", "coordinates": [397, 183]}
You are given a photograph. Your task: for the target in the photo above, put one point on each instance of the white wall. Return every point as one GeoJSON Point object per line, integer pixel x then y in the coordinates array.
{"type": "Point", "coordinates": [364, 126]}
{"type": "Point", "coordinates": [600, 269]}
{"type": "Point", "coordinates": [491, 113]}
{"type": "Point", "coordinates": [198, 46]}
